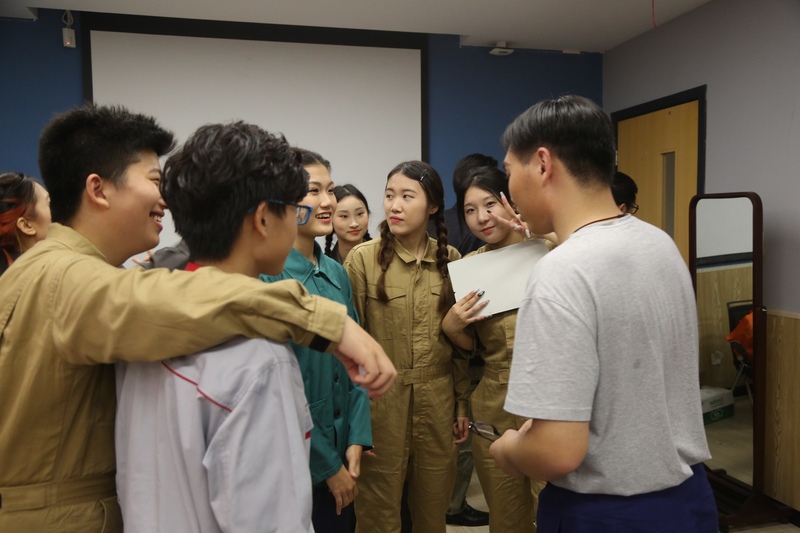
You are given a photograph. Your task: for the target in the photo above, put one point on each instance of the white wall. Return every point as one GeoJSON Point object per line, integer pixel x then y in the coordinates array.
{"type": "Point", "coordinates": [748, 54]}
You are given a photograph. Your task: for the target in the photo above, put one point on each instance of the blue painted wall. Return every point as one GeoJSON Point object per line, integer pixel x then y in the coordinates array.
{"type": "Point", "coordinates": [472, 95]}
{"type": "Point", "coordinates": [39, 78]}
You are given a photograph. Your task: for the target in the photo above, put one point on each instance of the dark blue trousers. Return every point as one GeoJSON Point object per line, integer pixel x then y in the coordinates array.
{"type": "Point", "coordinates": [686, 508]}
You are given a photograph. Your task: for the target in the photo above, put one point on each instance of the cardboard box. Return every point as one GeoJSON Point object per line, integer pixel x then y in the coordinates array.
{"type": "Point", "coordinates": [717, 404]}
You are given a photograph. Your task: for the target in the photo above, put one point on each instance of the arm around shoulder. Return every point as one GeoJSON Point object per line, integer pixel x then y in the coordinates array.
{"type": "Point", "coordinates": [101, 315]}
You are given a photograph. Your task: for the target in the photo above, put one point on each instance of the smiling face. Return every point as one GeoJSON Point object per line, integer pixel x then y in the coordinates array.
{"type": "Point", "coordinates": [322, 201]}
{"type": "Point", "coordinates": [406, 206]}
{"type": "Point", "coordinates": [478, 204]}
{"type": "Point", "coordinates": [136, 207]}
{"type": "Point", "coordinates": [351, 219]}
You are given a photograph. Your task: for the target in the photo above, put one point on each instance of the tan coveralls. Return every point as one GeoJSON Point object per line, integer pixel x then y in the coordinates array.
{"type": "Point", "coordinates": [63, 309]}
{"type": "Point", "coordinates": [412, 425]}
{"type": "Point", "coordinates": [511, 500]}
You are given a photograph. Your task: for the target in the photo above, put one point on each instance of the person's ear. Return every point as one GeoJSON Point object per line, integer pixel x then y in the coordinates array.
{"type": "Point", "coordinates": [25, 227]}
{"type": "Point", "coordinates": [261, 220]}
{"type": "Point", "coordinates": [433, 209]}
{"type": "Point", "coordinates": [623, 207]}
{"type": "Point", "coordinates": [544, 159]}
{"type": "Point", "coordinates": [543, 163]}
{"type": "Point", "coordinates": [96, 190]}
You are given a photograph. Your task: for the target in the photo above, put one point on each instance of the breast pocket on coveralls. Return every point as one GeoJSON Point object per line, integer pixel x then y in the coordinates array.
{"type": "Point", "coordinates": [387, 320]}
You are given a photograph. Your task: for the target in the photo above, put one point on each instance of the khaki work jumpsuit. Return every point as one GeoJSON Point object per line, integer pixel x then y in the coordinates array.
{"type": "Point", "coordinates": [510, 499]}
{"type": "Point", "coordinates": [412, 425]}
{"type": "Point", "coordinates": [64, 310]}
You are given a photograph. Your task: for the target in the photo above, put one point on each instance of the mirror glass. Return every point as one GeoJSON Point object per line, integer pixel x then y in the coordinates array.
{"type": "Point", "coordinates": [724, 284]}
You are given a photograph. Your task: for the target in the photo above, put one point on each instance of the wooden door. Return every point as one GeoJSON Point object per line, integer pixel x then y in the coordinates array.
{"type": "Point", "coordinates": [659, 150]}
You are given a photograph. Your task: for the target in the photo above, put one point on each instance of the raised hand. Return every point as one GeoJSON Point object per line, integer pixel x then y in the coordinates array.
{"type": "Point", "coordinates": [515, 221]}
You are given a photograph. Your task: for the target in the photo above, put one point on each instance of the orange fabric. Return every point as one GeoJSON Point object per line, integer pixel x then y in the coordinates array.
{"type": "Point", "coordinates": [743, 334]}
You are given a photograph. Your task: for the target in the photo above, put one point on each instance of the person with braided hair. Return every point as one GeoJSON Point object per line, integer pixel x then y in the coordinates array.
{"type": "Point", "coordinates": [24, 215]}
{"type": "Point", "coordinates": [401, 292]}
{"type": "Point", "coordinates": [350, 222]}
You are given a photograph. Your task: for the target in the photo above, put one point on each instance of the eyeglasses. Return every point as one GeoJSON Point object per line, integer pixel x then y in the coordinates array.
{"type": "Point", "coordinates": [632, 209]}
{"type": "Point", "coordinates": [302, 214]}
{"type": "Point", "coordinates": [485, 430]}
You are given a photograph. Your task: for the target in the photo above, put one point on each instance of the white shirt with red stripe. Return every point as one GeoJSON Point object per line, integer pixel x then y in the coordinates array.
{"type": "Point", "coordinates": [215, 441]}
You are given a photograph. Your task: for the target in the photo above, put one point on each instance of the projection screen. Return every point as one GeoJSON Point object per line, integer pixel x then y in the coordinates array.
{"type": "Point", "coordinates": [359, 106]}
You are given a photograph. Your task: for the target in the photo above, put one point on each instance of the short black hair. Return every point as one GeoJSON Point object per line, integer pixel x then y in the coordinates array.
{"type": "Point", "coordinates": [93, 139]}
{"type": "Point", "coordinates": [624, 189]}
{"type": "Point", "coordinates": [575, 130]}
{"type": "Point", "coordinates": [221, 173]}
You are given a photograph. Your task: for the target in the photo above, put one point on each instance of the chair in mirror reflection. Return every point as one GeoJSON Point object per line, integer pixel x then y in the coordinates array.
{"type": "Point", "coordinates": [740, 321]}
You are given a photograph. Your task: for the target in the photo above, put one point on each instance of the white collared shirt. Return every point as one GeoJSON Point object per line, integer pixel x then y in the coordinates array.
{"type": "Point", "coordinates": [215, 441]}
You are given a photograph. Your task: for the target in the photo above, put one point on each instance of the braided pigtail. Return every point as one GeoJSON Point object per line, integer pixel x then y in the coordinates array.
{"type": "Point", "coordinates": [385, 256]}
{"type": "Point", "coordinates": [446, 298]}
{"type": "Point", "coordinates": [328, 243]}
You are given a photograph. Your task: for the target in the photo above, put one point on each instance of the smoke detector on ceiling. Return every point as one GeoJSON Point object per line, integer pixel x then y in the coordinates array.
{"type": "Point", "coordinates": [501, 49]}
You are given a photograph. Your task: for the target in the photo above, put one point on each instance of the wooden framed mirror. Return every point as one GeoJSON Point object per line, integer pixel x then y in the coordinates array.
{"type": "Point", "coordinates": [726, 263]}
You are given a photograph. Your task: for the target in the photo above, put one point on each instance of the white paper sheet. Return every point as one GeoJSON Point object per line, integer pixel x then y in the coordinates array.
{"type": "Point", "coordinates": [503, 274]}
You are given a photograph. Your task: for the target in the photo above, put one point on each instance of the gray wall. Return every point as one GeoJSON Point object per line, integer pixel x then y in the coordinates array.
{"type": "Point", "coordinates": [748, 54]}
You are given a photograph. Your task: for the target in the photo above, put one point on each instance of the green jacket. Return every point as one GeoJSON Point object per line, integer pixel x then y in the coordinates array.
{"type": "Point", "coordinates": [339, 409]}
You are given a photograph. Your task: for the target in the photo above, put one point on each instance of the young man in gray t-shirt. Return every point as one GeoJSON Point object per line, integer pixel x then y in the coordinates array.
{"type": "Point", "coordinates": [605, 361]}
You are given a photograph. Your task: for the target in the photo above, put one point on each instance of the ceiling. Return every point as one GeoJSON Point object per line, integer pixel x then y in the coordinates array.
{"type": "Point", "coordinates": [572, 25]}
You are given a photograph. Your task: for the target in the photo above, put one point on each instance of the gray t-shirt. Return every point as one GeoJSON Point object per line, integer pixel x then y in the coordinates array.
{"type": "Point", "coordinates": [607, 333]}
